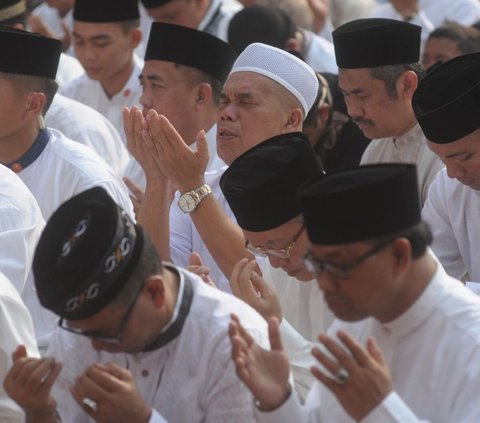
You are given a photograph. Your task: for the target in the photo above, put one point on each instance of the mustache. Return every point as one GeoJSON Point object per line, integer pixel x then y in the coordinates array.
{"type": "Point", "coordinates": [359, 120]}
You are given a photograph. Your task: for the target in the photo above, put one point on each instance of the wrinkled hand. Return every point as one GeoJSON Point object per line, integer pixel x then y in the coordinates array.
{"type": "Point", "coordinates": [29, 382]}
{"type": "Point", "coordinates": [195, 265]}
{"type": "Point", "coordinates": [113, 390]}
{"type": "Point", "coordinates": [320, 10]}
{"type": "Point", "coordinates": [369, 380]}
{"type": "Point", "coordinates": [265, 373]}
{"type": "Point", "coordinates": [183, 166]}
{"type": "Point", "coordinates": [405, 7]}
{"type": "Point", "coordinates": [249, 286]}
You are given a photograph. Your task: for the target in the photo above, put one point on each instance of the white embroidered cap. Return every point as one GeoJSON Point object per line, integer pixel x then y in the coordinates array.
{"type": "Point", "coordinates": [292, 73]}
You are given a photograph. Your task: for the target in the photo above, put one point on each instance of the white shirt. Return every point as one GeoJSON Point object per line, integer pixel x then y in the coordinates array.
{"type": "Point", "coordinates": [69, 68]}
{"type": "Point", "coordinates": [433, 13]}
{"type": "Point", "coordinates": [21, 224]}
{"type": "Point", "coordinates": [218, 17]}
{"type": "Point", "coordinates": [85, 125]}
{"type": "Point", "coordinates": [91, 93]}
{"type": "Point", "coordinates": [452, 211]}
{"type": "Point", "coordinates": [344, 11]}
{"type": "Point", "coordinates": [191, 379]}
{"type": "Point", "coordinates": [319, 54]}
{"type": "Point", "coordinates": [433, 352]}
{"type": "Point", "coordinates": [15, 329]}
{"type": "Point", "coordinates": [409, 148]}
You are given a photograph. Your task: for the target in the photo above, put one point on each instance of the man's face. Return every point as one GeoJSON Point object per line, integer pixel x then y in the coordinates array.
{"type": "Point", "coordinates": [369, 288]}
{"type": "Point", "coordinates": [461, 159]}
{"type": "Point", "coordinates": [251, 111]}
{"type": "Point", "coordinates": [439, 50]}
{"type": "Point", "coordinates": [368, 103]}
{"type": "Point", "coordinates": [279, 239]}
{"type": "Point", "coordinates": [12, 106]}
{"type": "Point", "coordinates": [103, 49]}
{"type": "Point", "coordinates": [166, 90]}
{"type": "Point", "coordinates": [187, 13]}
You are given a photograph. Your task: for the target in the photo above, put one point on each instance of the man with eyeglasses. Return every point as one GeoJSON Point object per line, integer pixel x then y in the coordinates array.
{"type": "Point", "coordinates": [406, 343]}
{"type": "Point", "coordinates": [260, 187]}
{"type": "Point", "coordinates": [140, 341]}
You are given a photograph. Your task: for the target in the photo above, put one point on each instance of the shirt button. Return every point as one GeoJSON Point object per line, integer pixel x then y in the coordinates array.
{"type": "Point", "coordinates": [145, 373]}
{"type": "Point", "coordinates": [386, 330]}
{"type": "Point", "coordinates": [17, 167]}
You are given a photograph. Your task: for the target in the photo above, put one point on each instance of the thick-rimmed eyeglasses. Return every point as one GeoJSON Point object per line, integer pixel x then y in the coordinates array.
{"type": "Point", "coordinates": [98, 335]}
{"type": "Point", "coordinates": [340, 271]}
{"type": "Point", "coordinates": [280, 253]}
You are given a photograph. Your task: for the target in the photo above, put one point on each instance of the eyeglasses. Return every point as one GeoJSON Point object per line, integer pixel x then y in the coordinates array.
{"type": "Point", "coordinates": [341, 271]}
{"type": "Point", "coordinates": [280, 253]}
{"type": "Point", "coordinates": [114, 339]}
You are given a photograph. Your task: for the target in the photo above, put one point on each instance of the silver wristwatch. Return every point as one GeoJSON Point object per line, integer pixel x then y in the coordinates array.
{"type": "Point", "coordinates": [190, 200]}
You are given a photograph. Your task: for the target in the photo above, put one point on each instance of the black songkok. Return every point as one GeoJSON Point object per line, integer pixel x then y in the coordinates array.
{"type": "Point", "coordinates": [447, 101]}
{"type": "Point", "coordinates": [190, 47]}
{"type": "Point", "coordinates": [10, 9]}
{"type": "Point", "coordinates": [25, 53]}
{"type": "Point", "coordinates": [261, 185]}
{"type": "Point", "coordinates": [360, 203]}
{"type": "Point", "coordinates": [149, 4]}
{"type": "Point", "coordinates": [87, 252]}
{"type": "Point", "coordinates": [367, 43]}
{"type": "Point", "coordinates": [105, 11]}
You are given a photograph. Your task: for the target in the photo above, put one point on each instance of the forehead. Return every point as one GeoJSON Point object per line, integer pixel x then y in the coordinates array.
{"type": "Point", "coordinates": [358, 79]}
{"type": "Point", "coordinates": [90, 29]}
{"type": "Point", "coordinates": [280, 233]}
{"type": "Point", "coordinates": [332, 252]}
{"type": "Point", "coordinates": [162, 69]}
{"type": "Point", "coordinates": [168, 11]}
{"type": "Point", "coordinates": [251, 82]}
{"type": "Point", "coordinates": [441, 46]}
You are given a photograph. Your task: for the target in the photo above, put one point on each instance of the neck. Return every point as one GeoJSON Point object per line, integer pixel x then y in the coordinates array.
{"type": "Point", "coordinates": [409, 123]}
{"type": "Point", "coordinates": [115, 83]}
{"type": "Point", "coordinates": [15, 145]}
{"type": "Point", "coordinates": [172, 283]}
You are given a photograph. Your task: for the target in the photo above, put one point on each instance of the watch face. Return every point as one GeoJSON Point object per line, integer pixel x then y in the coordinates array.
{"type": "Point", "coordinates": [187, 203]}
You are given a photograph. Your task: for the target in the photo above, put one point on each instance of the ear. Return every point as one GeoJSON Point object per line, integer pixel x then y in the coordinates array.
{"type": "Point", "coordinates": [402, 256]}
{"type": "Point", "coordinates": [294, 43]}
{"type": "Point", "coordinates": [295, 119]}
{"type": "Point", "coordinates": [407, 84]}
{"type": "Point", "coordinates": [203, 94]}
{"type": "Point", "coordinates": [34, 104]}
{"type": "Point", "coordinates": [323, 113]}
{"type": "Point", "coordinates": [155, 289]}
{"type": "Point", "coordinates": [136, 37]}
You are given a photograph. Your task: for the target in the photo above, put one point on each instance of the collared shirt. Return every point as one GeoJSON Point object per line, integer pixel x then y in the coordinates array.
{"type": "Point", "coordinates": [409, 148]}
{"type": "Point", "coordinates": [218, 17]}
{"type": "Point", "coordinates": [433, 352]}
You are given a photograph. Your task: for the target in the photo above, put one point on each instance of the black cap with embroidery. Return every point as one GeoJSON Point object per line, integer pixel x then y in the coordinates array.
{"type": "Point", "coordinates": [261, 185]}
{"type": "Point", "coordinates": [360, 203]}
{"type": "Point", "coordinates": [447, 100]}
{"type": "Point", "coordinates": [25, 53]}
{"type": "Point", "coordinates": [10, 9]}
{"type": "Point", "coordinates": [190, 47]}
{"type": "Point", "coordinates": [367, 43]}
{"type": "Point", "coordinates": [105, 11]}
{"type": "Point", "coordinates": [86, 254]}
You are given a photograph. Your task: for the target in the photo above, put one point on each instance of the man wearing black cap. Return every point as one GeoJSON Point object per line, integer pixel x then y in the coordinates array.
{"type": "Point", "coordinates": [212, 16]}
{"type": "Point", "coordinates": [162, 331]}
{"type": "Point", "coordinates": [447, 106]}
{"type": "Point", "coordinates": [406, 342]}
{"type": "Point", "coordinates": [378, 74]}
{"type": "Point", "coordinates": [105, 35]}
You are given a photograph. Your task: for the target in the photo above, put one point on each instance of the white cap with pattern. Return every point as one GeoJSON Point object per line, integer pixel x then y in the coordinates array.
{"type": "Point", "coordinates": [292, 73]}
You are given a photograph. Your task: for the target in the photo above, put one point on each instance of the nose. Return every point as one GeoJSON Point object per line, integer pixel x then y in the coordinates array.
{"type": "Point", "coordinates": [277, 262]}
{"type": "Point", "coordinates": [227, 112]}
{"type": "Point", "coordinates": [454, 169]}
{"type": "Point", "coordinates": [146, 102]}
{"type": "Point", "coordinates": [325, 282]}
{"type": "Point", "coordinates": [354, 108]}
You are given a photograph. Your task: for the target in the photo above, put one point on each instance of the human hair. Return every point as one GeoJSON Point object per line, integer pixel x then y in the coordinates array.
{"type": "Point", "coordinates": [28, 83]}
{"type": "Point", "coordinates": [467, 39]}
{"type": "Point", "coordinates": [389, 74]}
{"type": "Point", "coordinates": [419, 236]}
{"type": "Point", "coordinates": [194, 76]}
{"type": "Point", "coordinates": [126, 26]}
{"type": "Point", "coordinates": [148, 265]}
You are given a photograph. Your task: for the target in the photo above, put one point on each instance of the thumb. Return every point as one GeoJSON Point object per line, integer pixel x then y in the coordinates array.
{"type": "Point", "coordinates": [195, 259]}
{"type": "Point", "coordinates": [202, 146]}
{"type": "Point", "coordinates": [20, 352]}
{"type": "Point", "coordinates": [274, 334]}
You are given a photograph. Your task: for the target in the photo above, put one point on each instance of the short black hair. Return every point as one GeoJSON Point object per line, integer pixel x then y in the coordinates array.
{"type": "Point", "coordinates": [389, 74]}
{"type": "Point", "coordinates": [466, 38]}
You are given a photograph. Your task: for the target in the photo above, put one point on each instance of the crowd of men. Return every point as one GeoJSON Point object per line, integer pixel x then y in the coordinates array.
{"type": "Point", "coordinates": [239, 211]}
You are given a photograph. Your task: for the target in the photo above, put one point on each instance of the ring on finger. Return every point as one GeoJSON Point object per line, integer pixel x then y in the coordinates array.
{"type": "Point", "coordinates": [89, 403]}
{"type": "Point", "coordinates": [342, 376]}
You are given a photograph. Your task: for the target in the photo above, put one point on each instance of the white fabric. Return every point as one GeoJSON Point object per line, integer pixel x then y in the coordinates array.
{"type": "Point", "coordinates": [305, 316]}
{"type": "Point", "coordinates": [433, 13]}
{"type": "Point", "coordinates": [21, 223]}
{"type": "Point", "coordinates": [85, 125]}
{"type": "Point", "coordinates": [433, 352]}
{"type": "Point", "coordinates": [191, 379]}
{"type": "Point", "coordinates": [409, 148]}
{"type": "Point", "coordinates": [15, 329]}
{"type": "Point", "coordinates": [91, 93]}
{"type": "Point", "coordinates": [343, 11]}
{"type": "Point", "coordinates": [293, 74]}
{"type": "Point", "coordinates": [69, 68]}
{"type": "Point", "coordinates": [218, 17]}
{"type": "Point", "coordinates": [452, 211]}
{"type": "Point", "coordinates": [320, 53]}
{"type": "Point", "coordinates": [65, 168]}
{"type": "Point", "coordinates": [135, 172]}
{"type": "Point", "coordinates": [185, 239]}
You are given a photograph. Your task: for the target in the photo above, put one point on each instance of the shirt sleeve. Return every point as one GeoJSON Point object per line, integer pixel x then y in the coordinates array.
{"type": "Point", "coordinates": [391, 410]}
{"type": "Point", "coordinates": [181, 245]}
{"type": "Point", "coordinates": [156, 418]}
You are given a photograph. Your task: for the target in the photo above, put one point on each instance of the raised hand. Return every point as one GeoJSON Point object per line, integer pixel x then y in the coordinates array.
{"type": "Point", "coordinates": [195, 265]}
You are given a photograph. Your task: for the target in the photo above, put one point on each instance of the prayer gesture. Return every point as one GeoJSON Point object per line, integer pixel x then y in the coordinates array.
{"type": "Point", "coordinates": [361, 379]}
{"type": "Point", "coordinates": [265, 373]}
{"type": "Point", "coordinates": [108, 394]}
